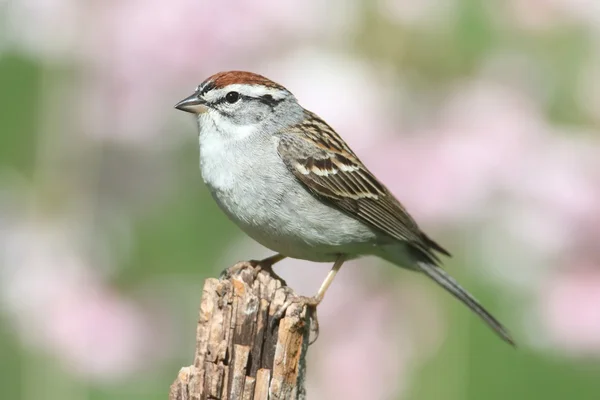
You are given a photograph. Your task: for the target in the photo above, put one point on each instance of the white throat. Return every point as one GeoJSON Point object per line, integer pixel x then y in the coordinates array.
{"type": "Point", "coordinates": [223, 146]}
{"type": "Point", "coordinates": [225, 129]}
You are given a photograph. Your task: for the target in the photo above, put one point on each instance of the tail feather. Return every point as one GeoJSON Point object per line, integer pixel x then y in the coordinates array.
{"type": "Point", "coordinates": [448, 283]}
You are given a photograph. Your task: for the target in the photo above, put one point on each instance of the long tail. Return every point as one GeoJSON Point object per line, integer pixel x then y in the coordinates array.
{"type": "Point", "coordinates": [448, 283]}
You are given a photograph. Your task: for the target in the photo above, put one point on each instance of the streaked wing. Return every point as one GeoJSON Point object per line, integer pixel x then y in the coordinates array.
{"type": "Point", "coordinates": [319, 158]}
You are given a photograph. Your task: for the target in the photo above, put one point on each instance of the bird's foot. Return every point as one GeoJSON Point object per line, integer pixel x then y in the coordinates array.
{"type": "Point", "coordinates": [267, 266]}
{"type": "Point", "coordinates": [257, 266]}
{"type": "Point", "coordinates": [310, 303]}
{"type": "Point", "coordinates": [236, 269]}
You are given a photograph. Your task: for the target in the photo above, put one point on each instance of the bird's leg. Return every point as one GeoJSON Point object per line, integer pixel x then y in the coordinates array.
{"type": "Point", "coordinates": [316, 300]}
{"type": "Point", "coordinates": [262, 265]}
{"type": "Point", "coordinates": [266, 264]}
{"type": "Point", "coordinates": [274, 259]}
{"type": "Point", "coordinates": [313, 302]}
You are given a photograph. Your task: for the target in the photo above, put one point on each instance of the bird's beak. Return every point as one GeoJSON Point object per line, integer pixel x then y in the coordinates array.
{"type": "Point", "coordinates": [192, 104]}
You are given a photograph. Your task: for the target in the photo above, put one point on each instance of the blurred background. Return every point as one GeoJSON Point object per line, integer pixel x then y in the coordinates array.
{"type": "Point", "coordinates": [483, 117]}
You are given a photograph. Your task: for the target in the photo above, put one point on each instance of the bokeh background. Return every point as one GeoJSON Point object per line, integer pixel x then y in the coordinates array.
{"type": "Point", "coordinates": [483, 117]}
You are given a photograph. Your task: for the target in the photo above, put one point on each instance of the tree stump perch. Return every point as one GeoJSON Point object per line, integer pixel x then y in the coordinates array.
{"type": "Point", "coordinates": [241, 353]}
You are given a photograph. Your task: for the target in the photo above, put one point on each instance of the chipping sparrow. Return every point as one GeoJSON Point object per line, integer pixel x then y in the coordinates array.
{"type": "Point", "coordinates": [289, 181]}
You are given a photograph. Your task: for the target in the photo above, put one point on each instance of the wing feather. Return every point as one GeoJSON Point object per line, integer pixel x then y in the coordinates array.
{"type": "Point", "coordinates": [321, 161]}
{"type": "Point", "coordinates": [332, 172]}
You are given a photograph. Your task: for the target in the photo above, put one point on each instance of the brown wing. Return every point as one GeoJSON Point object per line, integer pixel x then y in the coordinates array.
{"type": "Point", "coordinates": [331, 171]}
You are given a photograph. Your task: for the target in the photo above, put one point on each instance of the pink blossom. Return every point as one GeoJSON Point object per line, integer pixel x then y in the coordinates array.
{"type": "Point", "coordinates": [362, 333]}
{"type": "Point", "coordinates": [543, 14]}
{"type": "Point", "coordinates": [547, 211]}
{"type": "Point", "coordinates": [558, 186]}
{"type": "Point", "coordinates": [569, 306]}
{"type": "Point", "coordinates": [136, 53]}
{"type": "Point", "coordinates": [449, 172]}
{"type": "Point", "coordinates": [59, 303]}
{"type": "Point", "coordinates": [179, 32]}
{"type": "Point", "coordinates": [354, 97]}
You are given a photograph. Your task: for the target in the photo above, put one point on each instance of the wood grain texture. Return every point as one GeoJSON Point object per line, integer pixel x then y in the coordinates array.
{"type": "Point", "coordinates": [240, 353]}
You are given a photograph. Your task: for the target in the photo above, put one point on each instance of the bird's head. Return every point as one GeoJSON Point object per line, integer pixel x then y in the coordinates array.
{"type": "Point", "coordinates": [237, 101]}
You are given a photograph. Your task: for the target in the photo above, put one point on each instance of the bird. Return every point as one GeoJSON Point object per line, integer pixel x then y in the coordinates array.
{"type": "Point", "coordinates": [290, 182]}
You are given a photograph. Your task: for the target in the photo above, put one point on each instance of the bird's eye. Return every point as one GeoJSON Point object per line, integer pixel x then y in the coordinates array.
{"type": "Point", "coordinates": [232, 97]}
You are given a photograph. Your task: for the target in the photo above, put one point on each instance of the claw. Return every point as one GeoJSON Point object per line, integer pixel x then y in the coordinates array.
{"type": "Point", "coordinates": [267, 266]}
{"type": "Point", "coordinates": [310, 302]}
{"type": "Point", "coordinates": [279, 314]}
{"type": "Point", "coordinates": [233, 270]}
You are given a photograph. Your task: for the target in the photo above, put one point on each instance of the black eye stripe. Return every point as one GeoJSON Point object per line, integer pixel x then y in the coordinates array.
{"type": "Point", "coordinates": [241, 97]}
{"type": "Point", "coordinates": [265, 99]}
{"type": "Point", "coordinates": [247, 98]}
{"type": "Point", "coordinates": [269, 100]}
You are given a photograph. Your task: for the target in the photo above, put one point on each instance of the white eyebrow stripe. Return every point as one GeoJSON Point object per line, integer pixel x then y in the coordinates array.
{"type": "Point", "coordinates": [246, 90]}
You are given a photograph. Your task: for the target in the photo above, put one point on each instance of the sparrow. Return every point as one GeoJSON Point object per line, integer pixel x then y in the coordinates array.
{"type": "Point", "coordinates": [290, 182]}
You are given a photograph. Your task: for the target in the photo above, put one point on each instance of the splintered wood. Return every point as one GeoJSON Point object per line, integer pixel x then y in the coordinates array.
{"type": "Point", "coordinates": [240, 352]}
